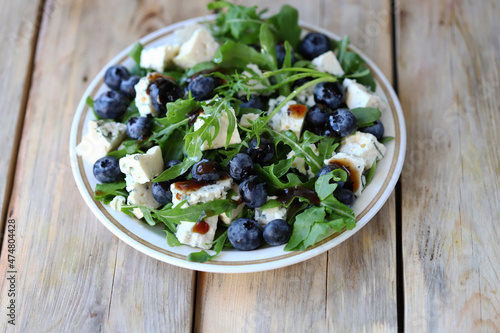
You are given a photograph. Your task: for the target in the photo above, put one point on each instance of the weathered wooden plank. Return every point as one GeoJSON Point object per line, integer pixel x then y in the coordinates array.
{"type": "Point", "coordinates": [73, 274]}
{"type": "Point", "coordinates": [18, 31]}
{"type": "Point", "coordinates": [448, 65]}
{"type": "Point", "coordinates": [353, 287]}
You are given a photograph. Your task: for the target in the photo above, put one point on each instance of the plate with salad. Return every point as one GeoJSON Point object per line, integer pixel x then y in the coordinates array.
{"type": "Point", "coordinates": [237, 142]}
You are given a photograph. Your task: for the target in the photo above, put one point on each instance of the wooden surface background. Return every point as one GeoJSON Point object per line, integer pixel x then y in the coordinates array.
{"type": "Point", "coordinates": [427, 262]}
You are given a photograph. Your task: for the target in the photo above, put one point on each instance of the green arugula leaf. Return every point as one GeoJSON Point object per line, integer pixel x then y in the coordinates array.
{"type": "Point", "coordinates": [386, 139]}
{"type": "Point", "coordinates": [135, 53]}
{"type": "Point", "coordinates": [203, 256]}
{"type": "Point", "coordinates": [177, 111]}
{"type": "Point", "coordinates": [177, 170]}
{"type": "Point", "coordinates": [268, 48]}
{"type": "Point", "coordinates": [366, 116]}
{"type": "Point", "coordinates": [90, 103]}
{"type": "Point", "coordinates": [337, 209]}
{"type": "Point", "coordinates": [173, 148]}
{"type": "Point", "coordinates": [370, 173]}
{"type": "Point", "coordinates": [171, 238]}
{"type": "Point", "coordinates": [302, 226]}
{"type": "Point", "coordinates": [200, 67]}
{"type": "Point", "coordinates": [193, 213]}
{"type": "Point", "coordinates": [132, 111]}
{"type": "Point", "coordinates": [271, 204]}
{"type": "Point", "coordinates": [323, 186]}
{"type": "Point", "coordinates": [286, 24]}
{"type": "Point", "coordinates": [238, 55]}
{"type": "Point", "coordinates": [107, 191]}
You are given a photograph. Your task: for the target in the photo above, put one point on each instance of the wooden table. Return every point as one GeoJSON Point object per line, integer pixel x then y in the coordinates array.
{"type": "Point", "coordinates": [429, 260]}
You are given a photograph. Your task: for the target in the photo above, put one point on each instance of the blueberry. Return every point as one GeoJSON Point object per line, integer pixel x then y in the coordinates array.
{"type": "Point", "coordinates": [317, 116]}
{"type": "Point", "coordinates": [115, 75]}
{"type": "Point", "coordinates": [327, 169]}
{"type": "Point", "coordinates": [256, 47]}
{"type": "Point", "coordinates": [253, 192]}
{"type": "Point", "coordinates": [110, 105]}
{"type": "Point", "coordinates": [281, 53]}
{"type": "Point", "coordinates": [301, 82]}
{"type": "Point", "coordinates": [127, 87]}
{"type": "Point", "coordinates": [139, 128]}
{"type": "Point", "coordinates": [240, 166]}
{"type": "Point", "coordinates": [162, 91]}
{"type": "Point", "coordinates": [106, 169]}
{"type": "Point", "coordinates": [206, 170]}
{"type": "Point", "coordinates": [314, 44]}
{"type": "Point", "coordinates": [245, 234]}
{"type": "Point", "coordinates": [202, 87]}
{"type": "Point", "coordinates": [377, 129]}
{"type": "Point", "coordinates": [342, 122]}
{"type": "Point", "coordinates": [329, 93]}
{"type": "Point", "coordinates": [277, 232]}
{"type": "Point", "coordinates": [161, 192]}
{"type": "Point", "coordinates": [171, 163]}
{"type": "Point", "coordinates": [255, 102]}
{"type": "Point", "coordinates": [345, 196]}
{"type": "Point", "coordinates": [261, 153]}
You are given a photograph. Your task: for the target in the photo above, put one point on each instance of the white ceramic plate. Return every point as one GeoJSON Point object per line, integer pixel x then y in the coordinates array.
{"type": "Point", "coordinates": [151, 240]}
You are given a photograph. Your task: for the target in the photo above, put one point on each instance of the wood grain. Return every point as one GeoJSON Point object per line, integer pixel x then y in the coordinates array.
{"type": "Point", "coordinates": [18, 32]}
{"type": "Point", "coordinates": [448, 64]}
{"type": "Point", "coordinates": [353, 287]}
{"type": "Point", "coordinates": [74, 275]}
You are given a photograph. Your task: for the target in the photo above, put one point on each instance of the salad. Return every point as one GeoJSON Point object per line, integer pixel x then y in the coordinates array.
{"type": "Point", "coordinates": [242, 133]}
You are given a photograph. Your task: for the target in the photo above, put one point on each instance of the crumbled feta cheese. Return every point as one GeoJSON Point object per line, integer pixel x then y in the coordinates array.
{"type": "Point", "coordinates": [117, 203]}
{"type": "Point", "coordinates": [363, 145]}
{"type": "Point", "coordinates": [200, 47]}
{"type": "Point", "coordinates": [355, 165]}
{"type": "Point", "coordinates": [290, 117]}
{"type": "Point", "coordinates": [186, 236]}
{"type": "Point", "coordinates": [142, 98]}
{"type": "Point", "coordinates": [246, 118]}
{"type": "Point", "coordinates": [141, 195]}
{"type": "Point", "coordinates": [265, 216]}
{"type": "Point", "coordinates": [358, 96]}
{"type": "Point", "coordinates": [228, 219]}
{"type": "Point", "coordinates": [220, 139]}
{"type": "Point", "coordinates": [158, 58]}
{"type": "Point", "coordinates": [328, 63]}
{"type": "Point", "coordinates": [306, 97]}
{"type": "Point", "coordinates": [183, 34]}
{"type": "Point", "coordinates": [101, 138]}
{"type": "Point", "coordinates": [299, 163]}
{"type": "Point", "coordinates": [142, 168]}
{"type": "Point", "coordinates": [206, 193]}
{"type": "Point", "coordinates": [253, 70]}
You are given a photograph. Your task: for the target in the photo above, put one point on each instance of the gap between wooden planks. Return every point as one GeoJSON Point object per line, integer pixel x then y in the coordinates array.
{"type": "Point", "coordinates": [353, 286]}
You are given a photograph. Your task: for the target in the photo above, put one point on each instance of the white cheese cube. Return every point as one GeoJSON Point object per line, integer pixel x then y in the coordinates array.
{"type": "Point", "coordinates": [363, 145]}
{"type": "Point", "coordinates": [187, 236]}
{"type": "Point", "coordinates": [183, 34]}
{"type": "Point", "coordinates": [265, 216]}
{"type": "Point", "coordinates": [142, 98]}
{"type": "Point", "coordinates": [253, 70]}
{"type": "Point", "coordinates": [306, 97]}
{"type": "Point", "coordinates": [358, 96]}
{"type": "Point", "coordinates": [355, 165]}
{"type": "Point", "coordinates": [117, 203]}
{"type": "Point", "coordinates": [195, 195]}
{"type": "Point", "coordinates": [290, 117]}
{"type": "Point", "coordinates": [101, 138]}
{"type": "Point", "coordinates": [299, 163]}
{"type": "Point", "coordinates": [200, 47]}
{"type": "Point", "coordinates": [246, 118]}
{"type": "Point", "coordinates": [328, 63]}
{"type": "Point", "coordinates": [158, 58]}
{"type": "Point", "coordinates": [220, 140]}
{"type": "Point", "coordinates": [141, 195]}
{"type": "Point", "coordinates": [142, 168]}
{"type": "Point", "coordinates": [228, 219]}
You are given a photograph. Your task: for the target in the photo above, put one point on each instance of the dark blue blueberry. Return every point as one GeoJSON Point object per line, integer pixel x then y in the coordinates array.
{"type": "Point", "coordinates": [115, 75]}
{"type": "Point", "coordinates": [139, 128]}
{"type": "Point", "coordinates": [327, 169]}
{"type": "Point", "coordinates": [240, 167]}
{"type": "Point", "coordinates": [245, 234]}
{"type": "Point", "coordinates": [345, 196]}
{"type": "Point", "coordinates": [377, 129]}
{"type": "Point", "coordinates": [262, 153]}
{"type": "Point", "coordinates": [281, 53]}
{"type": "Point", "coordinates": [329, 93]}
{"type": "Point", "coordinates": [253, 192]}
{"type": "Point", "coordinates": [171, 163]}
{"type": "Point", "coordinates": [110, 105]}
{"type": "Point", "coordinates": [127, 87]}
{"type": "Point", "coordinates": [317, 116]}
{"type": "Point", "coordinates": [256, 47]}
{"type": "Point", "coordinates": [206, 170]}
{"type": "Point", "coordinates": [301, 82]}
{"type": "Point", "coordinates": [162, 193]}
{"type": "Point", "coordinates": [202, 87]}
{"type": "Point", "coordinates": [106, 169]}
{"type": "Point", "coordinates": [277, 232]}
{"type": "Point", "coordinates": [162, 91]}
{"type": "Point", "coordinates": [255, 102]}
{"type": "Point", "coordinates": [342, 122]}
{"type": "Point", "coordinates": [314, 44]}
